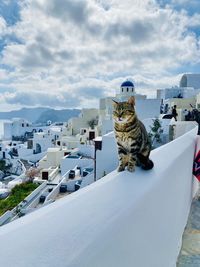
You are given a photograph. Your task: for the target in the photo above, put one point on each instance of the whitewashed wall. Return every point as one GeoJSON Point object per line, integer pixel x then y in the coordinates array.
{"type": "Point", "coordinates": [181, 127]}
{"type": "Point", "coordinates": [147, 108]}
{"type": "Point", "coordinates": [107, 158]}
{"type": "Point", "coordinates": [86, 150]}
{"type": "Point", "coordinates": [124, 219]}
{"type": "Point", "coordinates": [87, 180]}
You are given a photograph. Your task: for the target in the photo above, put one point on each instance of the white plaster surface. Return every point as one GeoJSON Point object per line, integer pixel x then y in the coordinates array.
{"type": "Point", "coordinates": [124, 219]}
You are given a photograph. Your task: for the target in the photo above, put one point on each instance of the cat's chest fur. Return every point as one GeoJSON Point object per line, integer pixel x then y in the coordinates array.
{"type": "Point", "coordinates": [126, 140]}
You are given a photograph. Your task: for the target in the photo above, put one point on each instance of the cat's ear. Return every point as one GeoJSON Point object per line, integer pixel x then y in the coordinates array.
{"type": "Point", "coordinates": [115, 103]}
{"type": "Point", "coordinates": [131, 101]}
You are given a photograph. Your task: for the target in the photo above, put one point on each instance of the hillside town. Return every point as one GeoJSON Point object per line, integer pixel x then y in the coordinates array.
{"type": "Point", "coordinates": [61, 158]}
{"type": "Point", "coordinates": [99, 133]}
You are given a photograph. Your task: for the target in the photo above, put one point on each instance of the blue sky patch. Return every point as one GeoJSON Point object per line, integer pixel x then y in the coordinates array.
{"type": "Point", "coordinates": [10, 11]}
{"type": "Point", "coordinates": [190, 6]}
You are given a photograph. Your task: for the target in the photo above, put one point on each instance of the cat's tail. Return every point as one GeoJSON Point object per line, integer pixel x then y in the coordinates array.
{"type": "Point", "coordinates": [148, 165]}
{"type": "Point", "coordinates": [145, 162]}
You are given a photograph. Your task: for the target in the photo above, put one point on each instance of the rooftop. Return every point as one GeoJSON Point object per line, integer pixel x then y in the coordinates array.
{"type": "Point", "coordinates": [127, 84]}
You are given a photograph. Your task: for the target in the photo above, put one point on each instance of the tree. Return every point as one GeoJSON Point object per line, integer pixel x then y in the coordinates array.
{"type": "Point", "coordinates": [93, 122]}
{"type": "Point", "coordinates": [32, 173]}
{"type": "Point", "coordinates": [155, 133]}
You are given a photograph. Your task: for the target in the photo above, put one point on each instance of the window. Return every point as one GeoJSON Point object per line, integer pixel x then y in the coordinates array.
{"type": "Point", "coordinates": [127, 89]}
{"type": "Point", "coordinates": [22, 124]}
{"type": "Point", "coordinates": [122, 89]}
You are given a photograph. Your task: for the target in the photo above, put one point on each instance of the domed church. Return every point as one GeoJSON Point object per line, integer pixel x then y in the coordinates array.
{"type": "Point", "coordinates": [146, 108]}
{"type": "Point", "coordinates": [127, 89]}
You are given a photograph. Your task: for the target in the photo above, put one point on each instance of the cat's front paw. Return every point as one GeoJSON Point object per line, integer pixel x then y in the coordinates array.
{"type": "Point", "coordinates": [131, 168]}
{"type": "Point", "coordinates": [121, 168]}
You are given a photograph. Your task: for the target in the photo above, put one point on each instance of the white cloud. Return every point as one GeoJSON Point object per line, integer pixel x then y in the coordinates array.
{"type": "Point", "coordinates": [2, 25]}
{"type": "Point", "coordinates": [86, 48]}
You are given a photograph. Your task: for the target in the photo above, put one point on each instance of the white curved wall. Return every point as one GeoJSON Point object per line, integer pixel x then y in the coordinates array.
{"type": "Point", "coordinates": [124, 219]}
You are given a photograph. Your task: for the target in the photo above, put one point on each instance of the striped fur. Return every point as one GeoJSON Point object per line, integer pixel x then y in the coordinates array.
{"type": "Point", "coordinates": [132, 139]}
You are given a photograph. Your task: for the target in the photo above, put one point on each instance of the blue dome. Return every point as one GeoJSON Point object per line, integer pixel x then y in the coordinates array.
{"type": "Point", "coordinates": [127, 83]}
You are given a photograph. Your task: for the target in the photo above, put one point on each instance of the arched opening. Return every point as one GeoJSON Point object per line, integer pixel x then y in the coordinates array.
{"type": "Point", "coordinates": [38, 149]}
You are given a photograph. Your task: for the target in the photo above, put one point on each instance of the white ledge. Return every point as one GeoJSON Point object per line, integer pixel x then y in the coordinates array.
{"type": "Point", "coordinates": [124, 219]}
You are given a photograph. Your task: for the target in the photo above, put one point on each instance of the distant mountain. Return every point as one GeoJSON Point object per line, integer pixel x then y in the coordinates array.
{"type": "Point", "coordinates": [62, 115]}
{"type": "Point", "coordinates": [41, 115]}
{"type": "Point", "coordinates": [31, 114]}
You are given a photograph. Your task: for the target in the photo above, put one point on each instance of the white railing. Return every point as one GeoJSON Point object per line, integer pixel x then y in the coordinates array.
{"type": "Point", "coordinates": [54, 193]}
{"type": "Point", "coordinates": [31, 201]}
{"type": "Point", "coordinates": [5, 217]}
{"type": "Point", "coordinates": [124, 219]}
{"type": "Point", "coordinates": [53, 173]}
{"type": "Point", "coordinates": [30, 197]}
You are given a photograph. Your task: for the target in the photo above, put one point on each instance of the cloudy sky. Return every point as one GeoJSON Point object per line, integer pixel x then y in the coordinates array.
{"type": "Point", "coordinates": [70, 53]}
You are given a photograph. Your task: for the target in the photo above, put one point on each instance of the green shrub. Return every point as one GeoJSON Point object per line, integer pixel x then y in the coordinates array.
{"type": "Point", "coordinates": [18, 193]}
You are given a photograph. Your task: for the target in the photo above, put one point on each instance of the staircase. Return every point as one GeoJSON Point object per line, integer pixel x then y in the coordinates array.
{"type": "Point", "coordinates": [26, 164]}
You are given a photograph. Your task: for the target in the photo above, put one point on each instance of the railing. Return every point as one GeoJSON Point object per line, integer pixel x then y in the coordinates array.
{"type": "Point", "coordinates": [30, 197]}
{"type": "Point", "coordinates": [124, 219]}
{"type": "Point", "coordinates": [53, 173]}
{"type": "Point", "coordinates": [29, 202]}
{"type": "Point", "coordinates": [6, 217]}
{"type": "Point", "coordinates": [54, 193]}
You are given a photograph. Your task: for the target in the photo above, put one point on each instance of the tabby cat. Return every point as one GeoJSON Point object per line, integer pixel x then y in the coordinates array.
{"type": "Point", "coordinates": [133, 144]}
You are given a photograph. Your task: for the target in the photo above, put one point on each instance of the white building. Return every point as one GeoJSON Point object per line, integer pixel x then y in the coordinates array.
{"type": "Point", "coordinates": [52, 158]}
{"type": "Point", "coordinates": [73, 141]}
{"type": "Point", "coordinates": [177, 92]}
{"type": "Point", "coordinates": [8, 149]}
{"type": "Point", "coordinates": [20, 128]}
{"type": "Point", "coordinates": [145, 108]}
{"type": "Point", "coordinates": [190, 80]}
{"type": "Point", "coordinates": [85, 120]}
{"type": "Point", "coordinates": [189, 87]}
